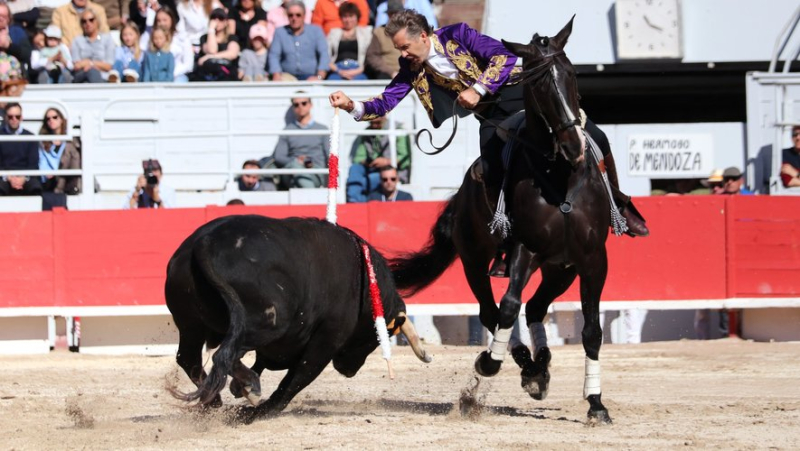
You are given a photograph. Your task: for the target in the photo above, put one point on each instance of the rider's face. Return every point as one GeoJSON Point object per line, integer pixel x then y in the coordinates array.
{"type": "Point", "coordinates": [415, 48]}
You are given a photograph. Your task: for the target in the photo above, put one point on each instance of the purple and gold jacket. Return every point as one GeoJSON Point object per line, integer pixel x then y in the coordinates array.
{"type": "Point", "coordinates": [479, 59]}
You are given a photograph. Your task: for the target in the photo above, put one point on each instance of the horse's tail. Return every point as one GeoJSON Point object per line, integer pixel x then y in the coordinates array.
{"type": "Point", "coordinates": [416, 270]}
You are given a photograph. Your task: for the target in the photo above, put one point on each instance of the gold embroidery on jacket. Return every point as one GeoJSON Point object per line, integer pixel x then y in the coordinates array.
{"type": "Point", "coordinates": [492, 73]}
{"type": "Point", "coordinates": [423, 90]}
{"type": "Point", "coordinates": [464, 62]}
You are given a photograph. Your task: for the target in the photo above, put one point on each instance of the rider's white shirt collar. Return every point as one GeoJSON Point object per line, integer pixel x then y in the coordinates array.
{"type": "Point", "coordinates": [440, 64]}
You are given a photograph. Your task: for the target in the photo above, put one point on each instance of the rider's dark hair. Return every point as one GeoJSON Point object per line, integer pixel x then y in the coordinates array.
{"type": "Point", "coordinates": [414, 23]}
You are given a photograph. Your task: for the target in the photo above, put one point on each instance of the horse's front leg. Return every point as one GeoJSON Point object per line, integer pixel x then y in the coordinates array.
{"type": "Point", "coordinates": [593, 278]}
{"type": "Point", "coordinates": [522, 266]}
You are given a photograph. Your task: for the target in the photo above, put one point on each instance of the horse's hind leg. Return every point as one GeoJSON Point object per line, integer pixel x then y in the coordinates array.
{"type": "Point", "coordinates": [489, 361]}
{"type": "Point", "coordinates": [593, 278]}
{"type": "Point", "coordinates": [535, 372]}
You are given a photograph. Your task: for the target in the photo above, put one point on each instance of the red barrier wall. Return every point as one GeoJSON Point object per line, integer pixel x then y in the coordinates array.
{"type": "Point", "coordinates": [701, 247]}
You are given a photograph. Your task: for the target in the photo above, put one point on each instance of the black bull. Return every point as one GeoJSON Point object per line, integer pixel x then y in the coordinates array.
{"type": "Point", "coordinates": [295, 290]}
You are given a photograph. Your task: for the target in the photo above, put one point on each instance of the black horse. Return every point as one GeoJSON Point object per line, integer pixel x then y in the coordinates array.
{"type": "Point", "coordinates": [559, 206]}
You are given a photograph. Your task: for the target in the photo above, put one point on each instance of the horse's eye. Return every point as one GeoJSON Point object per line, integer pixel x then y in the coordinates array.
{"type": "Point", "coordinates": [544, 42]}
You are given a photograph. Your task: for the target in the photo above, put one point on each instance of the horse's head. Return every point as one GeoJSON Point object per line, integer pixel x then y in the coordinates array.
{"type": "Point", "coordinates": [551, 86]}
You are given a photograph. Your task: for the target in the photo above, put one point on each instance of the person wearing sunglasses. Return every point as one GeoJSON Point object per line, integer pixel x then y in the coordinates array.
{"type": "Point", "coordinates": [17, 156]}
{"type": "Point", "coordinates": [68, 19]}
{"type": "Point", "coordinates": [277, 18]}
{"type": "Point", "coordinates": [388, 191]}
{"type": "Point", "coordinates": [93, 52]}
{"type": "Point", "coordinates": [790, 167]}
{"type": "Point", "coordinates": [303, 151]}
{"type": "Point", "coordinates": [299, 51]}
{"type": "Point", "coordinates": [58, 154]}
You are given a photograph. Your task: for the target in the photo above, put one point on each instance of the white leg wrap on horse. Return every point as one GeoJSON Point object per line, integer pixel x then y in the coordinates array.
{"type": "Point", "coordinates": [538, 337]}
{"type": "Point", "coordinates": [591, 381]}
{"type": "Point", "coordinates": [499, 346]}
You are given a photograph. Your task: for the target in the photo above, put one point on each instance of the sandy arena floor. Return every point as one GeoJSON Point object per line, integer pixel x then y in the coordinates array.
{"type": "Point", "coordinates": [726, 394]}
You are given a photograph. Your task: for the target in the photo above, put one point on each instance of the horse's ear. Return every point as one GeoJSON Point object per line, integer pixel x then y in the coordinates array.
{"type": "Point", "coordinates": [517, 49]}
{"type": "Point", "coordinates": [561, 38]}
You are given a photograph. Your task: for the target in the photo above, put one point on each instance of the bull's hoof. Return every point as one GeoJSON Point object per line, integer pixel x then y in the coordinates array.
{"type": "Point", "coordinates": [236, 388]}
{"type": "Point", "coordinates": [598, 414]}
{"type": "Point", "coordinates": [253, 395]}
{"type": "Point", "coordinates": [486, 366]}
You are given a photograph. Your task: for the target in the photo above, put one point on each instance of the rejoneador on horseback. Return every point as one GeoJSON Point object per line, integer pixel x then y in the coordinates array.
{"type": "Point", "coordinates": [456, 69]}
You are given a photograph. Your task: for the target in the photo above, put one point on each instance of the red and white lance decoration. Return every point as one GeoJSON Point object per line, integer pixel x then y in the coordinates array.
{"type": "Point", "coordinates": [377, 310]}
{"type": "Point", "coordinates": [374, 289]}
{"type": "Point", "coordinates": [333, 169]}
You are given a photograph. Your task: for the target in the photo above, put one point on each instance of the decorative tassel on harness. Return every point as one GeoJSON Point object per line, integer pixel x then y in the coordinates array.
{"type": "Point", "coordinates": [618, 223]}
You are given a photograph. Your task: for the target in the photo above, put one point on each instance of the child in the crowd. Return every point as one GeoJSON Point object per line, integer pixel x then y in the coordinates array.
{"type": "Point", "coordinates": [51, 61]}
{"type": "Point", "coordinates": [252, 63]}
{"type": "Point", "coordinates": [128, 56]}
{"type": "Point", "coordinates": [159, 63]}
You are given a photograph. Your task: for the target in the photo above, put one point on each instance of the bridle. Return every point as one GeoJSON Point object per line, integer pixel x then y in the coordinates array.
{"type": "Point", "coordinates": [545, 66]}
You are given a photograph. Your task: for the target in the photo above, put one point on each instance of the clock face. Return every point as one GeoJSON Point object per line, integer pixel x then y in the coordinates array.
{"type": "Point", "coordinates": [648, 29]}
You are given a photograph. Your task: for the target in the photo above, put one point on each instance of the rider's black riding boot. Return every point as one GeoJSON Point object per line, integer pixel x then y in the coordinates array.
{"type": "Point", "coordinates": [635, 221]}
{"type": "Point", "coordinates": [493, 181]}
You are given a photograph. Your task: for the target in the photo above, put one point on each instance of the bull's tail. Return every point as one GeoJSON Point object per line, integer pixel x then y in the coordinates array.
{"type": "Point", "coordinates": [414, 271]}
{"type": "Point", "coordinates": [229, 348]}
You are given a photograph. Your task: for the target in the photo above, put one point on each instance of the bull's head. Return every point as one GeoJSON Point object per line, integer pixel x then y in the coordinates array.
{"type": "Point", "coordinates": [352, 356]}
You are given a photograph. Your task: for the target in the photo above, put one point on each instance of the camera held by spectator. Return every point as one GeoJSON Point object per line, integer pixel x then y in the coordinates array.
{"type": "Point", "coordinates": [149, 191]}
{"type": "Point", "coordinates": [150, 166]}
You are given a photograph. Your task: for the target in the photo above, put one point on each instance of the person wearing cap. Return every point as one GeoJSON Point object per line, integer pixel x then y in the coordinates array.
{"type": "Point", "coordinates": [326, 14]}
{"type": "Point", "coordinates": [150, 191]}
{"type": "Point", "coordinates": [421, 6]}
{"type": "Point", "coordinates": [714, 181]}
{"type": "Point", "coordinates": [348, 45]}
{"type": "Point", "coordinates": [53, 62]}
{"type": "Point", "coordinates": [218, 59]}
{"type": "Point", "coordinates": [382, 61]}
{"type": "Point", "coordinates": [472, 66]}
{"type": "Point", "coordinates": [253, 62]}
{"type": "Point", "coordinates": [298, 50]}
{"type": "Point", "coordinates": [68, 19]}
{"type": "Point", "coordinates": [733, 182]}
{"type": "Point", "coordinates": [244, 15]}
{"type": "Point", "coordinates": [790, 166]}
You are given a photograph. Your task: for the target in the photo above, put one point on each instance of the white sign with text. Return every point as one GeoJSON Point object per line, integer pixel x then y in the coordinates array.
{"type": "Point", "coordinates": [671, 155]}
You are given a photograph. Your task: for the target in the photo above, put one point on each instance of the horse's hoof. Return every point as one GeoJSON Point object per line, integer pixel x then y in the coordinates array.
{"type": "Point", "coordinates": [536, 385]}
{"type": "Point", "coordinates": [236, 388]}
{"type": "Point", "coordinates": [598, 417]}
{"type": "Point", "coordinates": [521, 355]}
{"type": "Point", "coordinates": [486, 366]}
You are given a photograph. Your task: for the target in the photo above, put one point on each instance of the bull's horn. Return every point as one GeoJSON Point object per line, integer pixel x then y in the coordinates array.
{"type": "Point", "coordinates": [413, 339]}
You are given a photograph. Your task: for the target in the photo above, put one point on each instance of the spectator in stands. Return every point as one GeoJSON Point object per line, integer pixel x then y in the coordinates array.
{"type": "Point", "coordinates": [252, 182]}
{"type": "Point", "coordinates": [158, 64]}
{"type": "Point", "coordinates": [421, 6]}
{"type": "Point", "coordinates": [245, 14]}
{"type": "Point", "coordinates": [388, 191]}
{"type": "Point", "coordinates": [115, 12]}
{"type": "Point", "coordinates": [179, 45]}
{"type": "Point", "coordinates": [299, 51]}
{"type": "Point", "coordinates": [326, 14]}
{"type": "Point", "coordinates": [25, 14]}
{"type": "Point", "coordinates": [128, 56]}
{"type": "Point", "coordinates": [16, 156]}
{"type": "Point", "coordinates": [51, 63]}
{"type": "Point", "coordinates": [58, 155]}
{"type": "Point", "coordinates": [382, 59]}
{"type": "Point", "coordinates": [303, 151]}
{"type": "Point", "coordinates": [194, 15]}
{"type": "Point", "coordinates": [150, 191]}
{"type": "Point", "coordinates": [234, 202]}
{"type": "Point", "coordinates": [790, 166]}
{"type": "Point", "coordinates": [68, 19]}
{"type": "Point", "coordinates": [714, 182]}
{"type": "Point", "coordinates": [277, 18]}
{"type": "Point", "coordinates": [143, 12]}
{"type": "Point", "coordinates": [92, 53]}
{"type": "Point", "coordinates": [733, 182]}
{"type": "Point", "coordinates": [13, 38]}
{"type": "Point", "coordinates": [253, 63]}
{"type": "Point", "coordinates": [370, 155]}
{"type": "Point", "coordinates": [348, 45]}
{"type": "Point", "coordinates": [218, 59]}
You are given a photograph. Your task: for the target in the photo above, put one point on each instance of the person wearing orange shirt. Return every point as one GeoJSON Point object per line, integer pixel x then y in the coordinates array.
{"type": "Point", "coordinates": [326, 14]}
